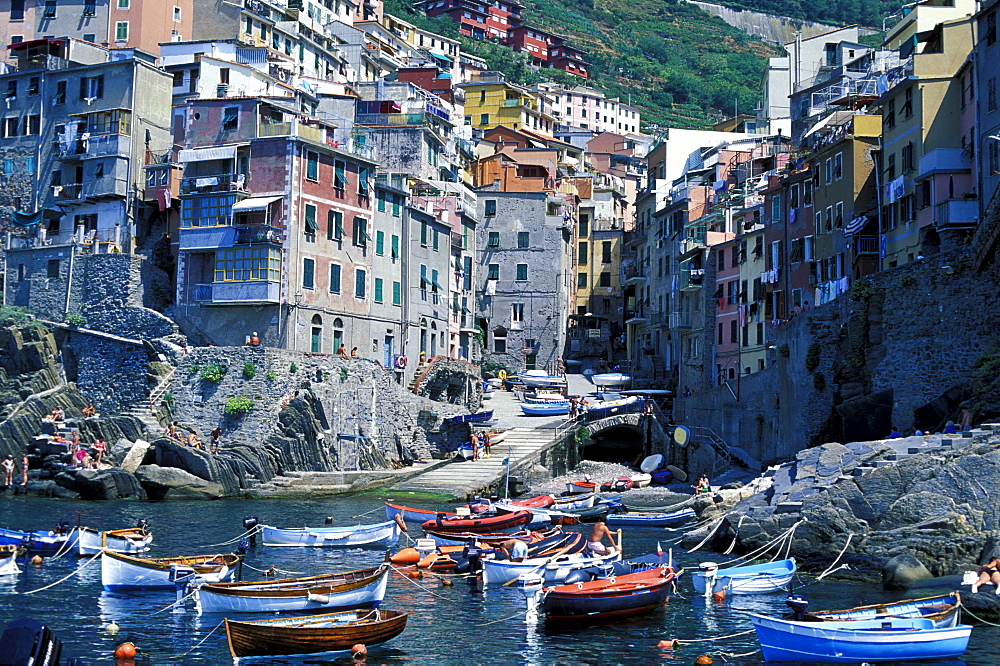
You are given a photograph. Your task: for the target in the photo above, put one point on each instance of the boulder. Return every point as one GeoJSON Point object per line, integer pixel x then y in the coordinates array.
{"type": "Point", "coordinates": [101, 484]}
{"type": "Point", "coordinates": [169, 453]}
{"type": "Point", "coordinates": [173, 483]}
{"type": "Point", "coordinates": [902, 571]}
{"type": "Point", "coordinates": [135, 455]}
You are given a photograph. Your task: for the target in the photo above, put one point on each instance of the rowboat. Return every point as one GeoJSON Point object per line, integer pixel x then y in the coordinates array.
{"type": "Point", "coordinates": [478, 523]}
{"type": "Point", "coordinates": [650, 519]}
{"type": "Point", "coordinates": [493, 437]}
{"type": "Point", "coordinates": [621, 484]}
{"type": "Point", "coordinates": [600, 410]}
{"type": "Point", "coordinates": [130, 541]}
{"type": "Point", "coordinates": [658, 394]}
{"type": "Point", "coordinates": [357, 536]}
{"type": "Point", "coordinates": [454, 558]}
{"type": "Point", "coordinates": [8, 561]}
{"type": "Point", "coordinates": [579, 487]}
{"type": "Point", "coordinates": [942, 610]}
{"type": "Point", "coordinates": [537, 502]}
{"type": "Point", "coordinates": [572, 502]}
{"type": "Point", "coordinates": [641, 480]}
{"type": "Point", "coordinates": [552, 570]}
{"type": "Point", "coordinates": [545, 397]}
{"type": "Point", "coordinates": [470, 418]}
{"type": "Point", "coordinates": [592, 514]}
{"type": "Point", "coordinates": [120, 572]}
{"type": "Point", "coordinates": [752, 579]}
{"type": "Point", "coordinates": [607, 598]}
{"type": "Point", "coordinates": [854, 641]}
{"type": "Point", "coordinates": [45, 543]}
{"type": "Point", "coordinates": [541, 379]}
{"type": "Point", "coordinates": [489, 539]}
{"type": "Point", "coordinates": [611, 379]}
{"type": "Point", "coordinates": [545, 408]}
{"type": "Point", "coordinates": [662, 476]}
{"type": "Point", "coordinates": [410, 514]}
{"type": "Point", "coordinates": [313, 634]}
{"type": "Point", "coordinates": [364, 588]}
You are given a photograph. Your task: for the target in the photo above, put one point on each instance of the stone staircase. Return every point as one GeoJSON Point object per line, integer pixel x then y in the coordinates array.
{"type": "Point", "coordinates": [910, 446]}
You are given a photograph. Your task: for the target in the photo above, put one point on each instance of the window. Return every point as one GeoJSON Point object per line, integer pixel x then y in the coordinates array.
{"type": "Point", "coordinates": [499, 345]}
{"type": "Point", "coordinates": [838, 220]}
{"type": "Point", "coordinates": [605, 279]}
{"type": "Point", "coordinates": [435, 236]}
{"type": "Point", "coordinates": [907, 109]}
{"type": "Point", "coordinates": [793, 196]}
{"type": "Point", "coordinates": [517, 313]}
{"type": "Point", "coordinates": [334, 225]}
{"type": "Point", "coordinates": [807, 193]}
{"type": "Point", "coordinates": [231, 118]}
{"type": "Point", "coordinates": [121, 31]}
{"type": "Point", "coordinates": [360, 276]}
{"type": "Point", "coordinates": [889, 115]}
{"type": "Point", "coordinates": [906, 157]}
{"type": "Point", "coordinates": [733, 338]}
{"type": "Point", "coordinates": [605, 252]}
{"type": "Point", "coordinates": [92, 87]}
{"type": "Point", "coordinates": [380, 198]}
{"type": "Point", "coordinates": [334, 278]}
{"type": "Point", "coordinates": [339, 174]}
{"type": "Point", "coordinates": [311, 226]}
{"type": "Point", "coordinates": [308, 273]}
{"type": "Point", "coordinates": [423, 234]}
{"type": "Point", "coordinates": [435, 285]}
{"type": "Point", "coordinates": [523, 239]}
{"type": "Point", "coordinates": [33, 85]}
{"type": "Point", "coordinates": [994, 157]}
{"type": "Point", "coordinates": [8, 166]}
{"type": "Point", "coordinates": [991, 28]}
{"type": "Point", "coordinates": [584, 226]}
{"type": "Point", "coordinates": [583, 253]}
{"type": "Point", "coordinates": [484, 118]}
{"type": "Point", "coordinates": [890, 171]}
{"type": "Point", "coordinates": [60, 97]}
{"type": "Point", "coordinates": [177, 14]}
{"type": "Point", "coordinates": [581, 280]}
{"type": "Point", "coordinates": [11, 89]}
{"type": "Point", "coordinates": [359, 235]}
{"type": "Point", "coordinates": [50, 9]}
{"type": "Point", "coordinates": [491, 206]}
{"type": "Point", "coordinates": [838, 166]}
{"type": "Point", "coordinates": [378, 290]}
{"type": "Point", "coordinates": [522, 273]}
{"type": "Point", "coordinates": [123, 4]}
{"type": "Point", "coordinates": [208, 211]}
{"type": "Point", "coordinates": [829, 171]}
{"type": "Point", "coordinates": [397, 293]}
{"type": "Point", "coordinates": [363, 184]}
{"type": "Point", "coordinates": [395, 247]}
{"type": "Point", "coordinates": [53, 269]}
{"type": "Point", "coordinates": [991, 94]}
{"type": "Point", "coordinates": [776, 208]}
{"type": "Point", "coordinates": [16, 10]}
{"type": "Point", "coordinates": [467, 273]}
{"type": "Point", "coordinates": [492, 240]}
{"type": "Point", "coordinates": [380, 243]}
{"type": "Point", "coordinates": [312, 166]}
{"type": "Point", "coordinates": [829, 218]}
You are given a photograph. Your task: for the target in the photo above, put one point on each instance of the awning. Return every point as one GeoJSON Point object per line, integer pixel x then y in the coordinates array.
{"type": "Point", "coordinates": [203, 154]}
{"type": "Point", "coordinates": [253, 203]}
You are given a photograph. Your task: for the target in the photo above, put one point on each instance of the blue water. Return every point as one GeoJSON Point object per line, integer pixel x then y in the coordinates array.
{"type": "Point", "coordinates": [446, 625]}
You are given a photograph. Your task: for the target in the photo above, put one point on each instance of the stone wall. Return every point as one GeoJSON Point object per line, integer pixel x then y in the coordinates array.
{"type": "Point", "coordinates": [770, 28]}
{"type": "Point", "coordinates": [450, 380]}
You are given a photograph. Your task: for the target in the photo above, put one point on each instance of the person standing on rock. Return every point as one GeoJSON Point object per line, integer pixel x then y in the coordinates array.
{"type": "Point", "coordinates": [8, 468]}
{"type": "Point", "coordinates": [475, 446]}
{"type": "Point", "coordinates": [216, 441]}
{"type": "Point", "coordinates": [966, 419]}
{"type": "Point", "coordinates": [24, 469]}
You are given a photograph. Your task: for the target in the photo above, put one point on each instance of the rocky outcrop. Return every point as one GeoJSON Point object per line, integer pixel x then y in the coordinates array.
{"type": "Point", "coordinates": [101, 484]}
{"type": "Point", "coordinates": [162, 483]}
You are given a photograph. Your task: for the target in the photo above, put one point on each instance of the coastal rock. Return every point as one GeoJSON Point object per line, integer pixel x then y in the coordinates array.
{"type": "Point", "coordinates": [902, 571]}
{"type": "Point", "coordinates": [163, 483]}
{"type": "Point", "coordinates": [101, 484]}
{"type": "Point", "coordinates": [169, 453]}
{"type": "Point", "coordinates": [135, 455]}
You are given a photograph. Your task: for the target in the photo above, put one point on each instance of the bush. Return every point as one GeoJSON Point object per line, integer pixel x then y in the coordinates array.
{"type": "Point", "coordinates": [213, 373]}
{"type": "Point", "coordinates": [270, 376]}
{"type": "Point", "coordinates": [12, 315]}
{"type": "Point", "coordinates": [168, 399]}
{"type": "Point", "coordinates": [812, 357]}
{"type": "Point", "coordinates": [293, 368]}
{"type": "Point", "coordinates": [75, 319]}
{"type": "Point", "coordinates": [238, 405]}
{"type": "Point", "coordinates": [249, 370]}
{"type": "Point", "coordinates": [862, 290]}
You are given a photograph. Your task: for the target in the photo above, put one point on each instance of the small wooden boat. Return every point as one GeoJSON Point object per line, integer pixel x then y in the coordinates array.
{"type": "Point", "coordinates": [489, 539]}
{"type": "Point", "coordinates": [752, 579]}
{"type": "Point", "coordinates": [120, 572]}
{"type": "Point", "coordinates": [641, 480]}
{"type": "Point", "coordinates": [130, 541]}
{"type": "Point", "coordinates": [313, 634]}
{"type": "Point", "coordinates": [358, 536]}
{"type": "Point", "coordinates": [493, 437]}
{"type": "Point", "coordinates": [611, 379]}
{"type": "Point", "coordinates": [572, 502]}
{"type": "Point", "coordinates": [545, 397]}
{"type": "Point", "coordinates": [541, 379]}
{"type": "Point", "coordinates": [855, 641]}
{"type": "Point", "coordinates": [651, 463]}
{"type": "Point", "coordinates": [8, 561]}
{"type": "Point", "coordinates": [44, 543]}
{"type": "Point", "coordinates": [581, 487]}
{"type": "Point", "coordinates": [553, 570]}
{"type": "Point", "coordinates": [662, 476]}
{"type": "Point", "coordinates": [410, 514]}
{"type": "Point", "coordinates": [650, 519]}
{"type": "Point", "coordinates": [364, 588]}
{"type": "Point", "coordinates": [942, 610]}
{"type": "Point", "coordinates": [478, 523]}
{"type": "Point", "coordinates": [619, 485]}
{"type": "Point", "coordinates": [545, 408]}
{"type": "Point", "coordinates": [470, 418]}
{"type": "Point", "coordinates": [608, 598]}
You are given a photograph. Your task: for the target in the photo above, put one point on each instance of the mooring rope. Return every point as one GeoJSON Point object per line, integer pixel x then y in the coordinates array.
{"type": "Point", "coordinates": [965, 609]}
{"type": "Point", "coordinates": [736, 535]}
{"type": "Point", "coordinates": [198, 644]}
{"type": "Point", "coordinates": [712, 533]}
{"type": "Point", "coordinates": [78, 570]}
{"type": "Point", "coordinates": [275, 570]}
{"type": "Point", "coordinates": [425, 589]}
{"type": "Point", "coordinates": [253, 530]}
{"type": "Point", "coordinates": [843, 550]}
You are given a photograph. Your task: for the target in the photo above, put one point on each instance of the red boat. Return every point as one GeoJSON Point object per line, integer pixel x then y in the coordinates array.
{"type": "Point", "coordinates": [621, 484]}
{"type": "Point", "coordinates": [454, 539]}
{"type": "Point", "coordinates": [478, 524]}
{"type": "Point", "coordinates": [539, 502]}
{"type": "Point", "coordinates": [608, 598]}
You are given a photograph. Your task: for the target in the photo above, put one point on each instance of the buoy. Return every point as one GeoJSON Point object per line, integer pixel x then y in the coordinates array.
{"type": "Point", "coordinates": [125, 651]}
{"type": "Point", "coordinates": [719, 596]}
{"type": "Point", "coordinates": [406, 556]}
{"type": "Point", "coordinates": [269, 572]}
{"type": "Point", "coordinates": [415, 575]}
{"type": "Point", "coordinates": [112, 628]}
{"type": "Point", "coordinates": [668, 644]}
{"type": "Point", "coordinates": [703, 659]}
{"type": "Point", "coordinates": [447, 582]}
{"type": "Point", "coordinates": [37, 560]}
{"type": "Point", "coordinates": [359, 651]}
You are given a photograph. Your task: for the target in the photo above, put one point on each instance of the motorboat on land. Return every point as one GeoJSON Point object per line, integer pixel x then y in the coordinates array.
{"type": "Point", "coordinates": [611, 379]}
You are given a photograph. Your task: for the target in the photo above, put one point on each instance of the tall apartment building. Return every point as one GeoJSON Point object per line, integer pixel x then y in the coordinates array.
{"type": "Point", "coordinates": [982, 92]}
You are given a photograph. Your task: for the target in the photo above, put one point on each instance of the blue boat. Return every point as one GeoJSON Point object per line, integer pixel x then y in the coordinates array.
{"type": "Point", "coordinates": [650, 519]}
{"type": "Point", "coordinates": [471, 418]}
{"type": "Point", "coordinates": [39, 542]}
{"type": "Point", "coordinates": [545, 408]}
{"type": "Point", "coordinates": [942, 609]}
{"type": "Point", "coordinates": [600, 410]}
{"type": "Point", "coordinates": [752, 579]}
{"type": "Point", "coordinates": [662, 476]}
{"type": "Point", "coordinates": [855, 641]}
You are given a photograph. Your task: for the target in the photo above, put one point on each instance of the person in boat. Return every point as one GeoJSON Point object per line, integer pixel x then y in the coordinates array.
{"type": "Point", "coordinates": [595, 543]}
{"type": "Point", "coordinates": [702, 486]}
{"type": "Point", "coordinates": [988, 573]}
{"type": "Point", "coordinates": [515, 550]}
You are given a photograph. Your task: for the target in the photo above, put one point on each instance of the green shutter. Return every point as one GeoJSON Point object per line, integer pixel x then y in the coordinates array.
{"type": "Point", "coordinates": [436, 240]}
{"type": "Point", "coordinates": [467, 273]}
{"type": "Point", "coordinates": [522, 272]}
{"type": "Point", "coordinates": [397, 291]}
{"type": "Point", "coordinates": [378, 290]}
{"type": "Point", "coordinates": [339, 175]}
{"type": "Point", "coordinates": [359, 283]}
{"type": "Point", "coordinates": [308, 273]}
{"type": "Point", "coordinates": [311, 225]}
{"type": "Point", "coordinates": [381, 201]}
{"type": "Point", "coordinates": [334, 278]}
{"type": "Point", "coordinates": [363, 181]}
{"type": "Point", "coordinates": [395, 246]}
{"type": "Point", "coordinates": [379, 242]}
{"type": "Point", "coordinates": [312, 166]}
{"type": "Point", "coordinates": [423, 233]}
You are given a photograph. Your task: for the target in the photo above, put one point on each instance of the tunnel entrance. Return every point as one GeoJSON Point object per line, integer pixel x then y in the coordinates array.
{"type": "Point", "coordinates": [620, 444]}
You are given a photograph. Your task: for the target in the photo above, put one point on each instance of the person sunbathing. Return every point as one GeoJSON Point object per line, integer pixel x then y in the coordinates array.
{"type": "Point", "coordinates": [988, 573]}
{"type": "Point", "coordinates": [194, 441]}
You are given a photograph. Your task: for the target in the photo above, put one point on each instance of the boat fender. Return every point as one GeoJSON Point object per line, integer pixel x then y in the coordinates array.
{"type": "Point", "coordinates": [37, 560]}
{"type": "Point", "coordinates": [703, 659]}
{"type": "Point", "coordinates": [126, 651]}
{"type": "Point", "coordinates": [321, 599]}
{"type": "Point", "coordinates": [406, 556]}
{"type": "Point", "coordinates": [579, 586]}
{"type": "Point", "coordinates": [620, 568]}
{"type": "Point", "coordinates": [577, 576]}
{"type": "Point", "coordinates": [446, 582]}
{"type": "Point", "coordinates": [668, 644]}
{"type": "Point", "coordinates": [462, 566]}
{"type": "Point", "coordinates": [359, 651]}
{"type": "Point", "coordinates": [111, 628]}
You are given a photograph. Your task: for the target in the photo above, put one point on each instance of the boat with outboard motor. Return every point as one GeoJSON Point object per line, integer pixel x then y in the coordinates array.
{"type": "Point", "coordinates": [120, 572]}
{"type": "Point", "coordinates": [598, 600]}
{"type": "Point", "coordinates": [555, 570]}
{"type": "Point", "coordinates": [750, 579]}
{"type": "Point", "coordinates": [477, 523]}
{"type": "Point", "coordinates": [410, 514]}
{"type": "Point", "coordinates": [130, 541]}
{"type": "Point", "coordinates": [651, 519]}
{"type": "Point", "coordinates": [378, 535]}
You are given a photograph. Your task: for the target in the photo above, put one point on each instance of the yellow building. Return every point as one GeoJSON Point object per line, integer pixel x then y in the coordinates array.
{"type": "Point", "coordinates": [491, 101]}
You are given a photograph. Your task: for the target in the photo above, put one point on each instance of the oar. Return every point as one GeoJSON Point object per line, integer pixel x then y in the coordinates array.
{"type": "Point", "coordinates": [540, 566]}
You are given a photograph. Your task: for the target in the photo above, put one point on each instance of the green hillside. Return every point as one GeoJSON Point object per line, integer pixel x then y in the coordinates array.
{"type": "Point", "coordinates": [680, 66]}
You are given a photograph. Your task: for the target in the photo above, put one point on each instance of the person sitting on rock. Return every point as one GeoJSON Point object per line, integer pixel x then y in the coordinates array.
{"type": "Point", "coordinates": [194, 441]}
{"type": "Point", "coordinates": [99, 448]}
{"type": "Point", "coordinates": [174, 432]}
{"type": "Point", "coordinates": [988, 573]}
{"type": "Point", "coordinates": [702, 486]}
{"type": "Point", "coordinates": [949, 428]}
{"type": "Point", "coordinates": [56, 414]}
{"type": "Point", "coordinates": [89, 412]}
{"type": "Point", "coordinates": [342, 351]}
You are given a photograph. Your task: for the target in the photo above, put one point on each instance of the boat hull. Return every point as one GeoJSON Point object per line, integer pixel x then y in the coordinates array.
{"type": "Point", "coordinates": [123, 573]}
{"type": "Point", "coordinates": [132, 541]}
{"type": "Point", "coordinates": [45, 543]}
{"type": "Point", "coordinates": [443, 539]}
{"type": "Point", "coordinates": [609, 598]}
{"type": "Point", "coordinates": [650, 519]}
{"type": "Point", "coordinates": [553, 572]}
{"type": "Point", "coordinates": [367, 591]}
{"type": "Point", "coordinates": [410, 514]}
{"type": "Point", "coordinates": [483, 524]}
{"type": "Point", "coordinates": [611, 379]}
{"type": "Point", "coordinates": [8, 561]}
{"type": "Point", "coordinates": [542, 382]}
{"type": "Point", "coordinates": [942, 610]}
{"type": "Point", "coordinates": [578, 501]}
{"type": "Point", "coordinates": [581, 487]}
{"type": "Point", "coordinates": [755, 579]}
{"type": "Point", "coordinates": [361, 536]}
{"type": "Point", "coordinates": [898, 639]}
{"type": "Point", "coordinates": [545, 408]}
{"type": "Point", "coordinates": [313, 634]}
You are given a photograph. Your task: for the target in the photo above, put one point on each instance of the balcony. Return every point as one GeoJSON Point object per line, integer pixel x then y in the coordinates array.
{"type": "Point", "coordinates": [690, 277]}
{"type": "Point", "coordinates": [865, 245]}
{"type": "Point", "coordinates": [957, 214]}
{"type": "Point", "coordinates": [259, 235]}
{"type": "Point", "coordinates": [314, 134]}
{"type": "Point", "coordinates": [105, 145]}
{"type": "Point", "coordinates": [679, 321]}
{"type": "Point", "coordinates": [253, 292]}
{"type": "Point", "coordinates": [944, 160]}
{"type": "Point", "coordinates": [459, 241]}
{"type": "Point", "coordinates": [635, 317]}
{"type": "Point", "coordinates": [634, 276]}
{"type": "Point", "coordinates": [220, 182]}
{"type": "Point", "coordinates": [379, 119]}
{"type": "Point", "coordinates": [98, 188]}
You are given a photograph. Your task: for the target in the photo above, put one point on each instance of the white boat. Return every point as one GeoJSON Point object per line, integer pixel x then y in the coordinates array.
{"type": "Point", "coordinates": [129, 541]}
{"type": "Point", "coordinates": [540, 379]}
{"type": "Point", "coordinates": [358, 536]}
{"type": "Point", "coordinates": [488, 395]}
{"type": "Point", "coordinates": [554, 572]}
{"type": "Point", "coordinates": [574, 502]}
{"type": "Point", "coordinates": [751, 579]}
{"type": "Point", "coordinates": [353, 589]}
{"type": "Point", "coordinates": [611, 379]}
{"type": "Point", "coordinates": [641, 480]}
{"type": "Point", "coordinates": [121, 572]}
{"type": "Point", "coordinates": [651, 463]}
{"type": "Point", "coordinates": [8, 561]}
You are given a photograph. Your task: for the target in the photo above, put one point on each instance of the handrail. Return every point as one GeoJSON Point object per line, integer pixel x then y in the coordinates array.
{"type": "Point", "coordinates": [160, 390]}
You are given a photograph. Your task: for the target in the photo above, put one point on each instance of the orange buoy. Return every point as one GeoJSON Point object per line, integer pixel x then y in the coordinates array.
{"type": "Point", "coordinates": [703, 659]}
{"type": "Point", "coordinates": [37, 560]}
{"type": "Point", "coordinates": [719, 596]}
{"type": "Point", "coordinates": [447, 582]}
{"type": "Point", "coordinates": [406, 556]}
{"type": "Point", "coordinates": [269, 572]}
{"type": "Point", "coordinates": [125, 651]}
{"type": "Point", "coordinates": [428, 561]}
{"type": "Point", "coordinates": [415, 575]}
{"type": "Point", "coordinates": [668, 644]}
{"type": "Point", "coordinates": [359, 651]}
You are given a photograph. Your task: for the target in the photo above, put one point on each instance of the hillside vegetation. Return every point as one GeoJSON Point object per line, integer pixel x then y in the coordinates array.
{"type": "Point", "coordinates": [680, 66]}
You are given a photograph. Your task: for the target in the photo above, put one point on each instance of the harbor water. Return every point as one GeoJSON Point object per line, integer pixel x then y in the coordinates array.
{"type": "Point", "coordinates": [447, 624]}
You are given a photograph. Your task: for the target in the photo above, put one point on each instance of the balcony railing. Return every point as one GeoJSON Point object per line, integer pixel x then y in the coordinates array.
{"type": "Point", "coordinates": [220, 182]}
{"type": "Point", "coordinates": [865, 245]}
{"type": "Point", "coordinates": [104, 145]}
{"type": "Point", "coordinates": [459, 241]}
{"type": "Point", "coordinates": [315, 134]}
{"type": "Point", "coordinates": [224, 293]}
{"type": "Point", "coordinates": [259, 234]}
{"type": "Point", "coordinates": [390, 118]}
{"type": "Point", "coordinates": [957, 213]}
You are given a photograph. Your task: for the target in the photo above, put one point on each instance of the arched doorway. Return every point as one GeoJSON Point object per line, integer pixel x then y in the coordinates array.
{"type": "Point", "coordinates": [316, 339]}
{"type": "Point", "coordinates": [619, 444]}
{"type": "Point", "coordinates": [338, 334]}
